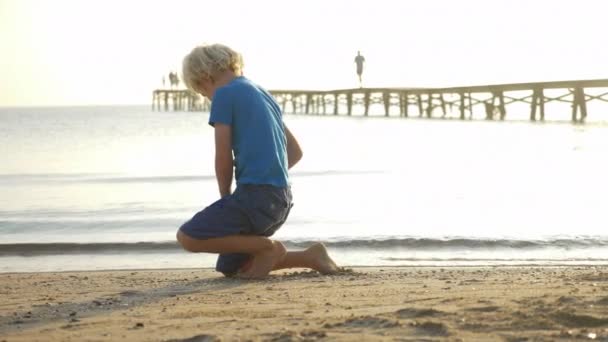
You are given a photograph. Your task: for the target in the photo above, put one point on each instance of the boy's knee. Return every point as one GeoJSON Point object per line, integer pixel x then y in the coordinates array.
{"type": "Point", "coordinates": [184, 241]}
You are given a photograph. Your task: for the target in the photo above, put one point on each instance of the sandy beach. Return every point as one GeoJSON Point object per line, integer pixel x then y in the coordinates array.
{"type": "Point", "coordinates": [365, 304]}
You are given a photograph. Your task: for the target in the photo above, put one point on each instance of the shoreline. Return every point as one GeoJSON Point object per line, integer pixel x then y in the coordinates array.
{"type": "Point", "coordinates": [364, 303]}
{"type": "Point", "coordinates": [349, 267]}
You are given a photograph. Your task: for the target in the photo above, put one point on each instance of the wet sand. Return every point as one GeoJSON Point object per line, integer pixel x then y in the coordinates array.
{"type": "Point", "coordinates": [364, 304]}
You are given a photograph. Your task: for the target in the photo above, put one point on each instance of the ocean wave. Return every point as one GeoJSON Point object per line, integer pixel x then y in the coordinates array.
{"type": "Point", "coordinates": [79, 225]}
{"type": "Point", "coordinates": [483, 260]}
{"type": "Point", "coordinates": [460, 243]}
{"type": "Point", "coordinates": [114, 178]}
{"type": "Point", "coordinates": [34, 249]}
{"type": "Point", "coordinates": [409, 244]}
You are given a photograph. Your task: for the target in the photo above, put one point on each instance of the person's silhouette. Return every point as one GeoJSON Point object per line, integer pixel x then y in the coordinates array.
{"type": "Point", "coordinates": [359, 59]}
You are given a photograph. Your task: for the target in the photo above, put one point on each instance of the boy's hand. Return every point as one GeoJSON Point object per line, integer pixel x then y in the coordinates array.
{"type": "Point", "coordinates": [223, 158]}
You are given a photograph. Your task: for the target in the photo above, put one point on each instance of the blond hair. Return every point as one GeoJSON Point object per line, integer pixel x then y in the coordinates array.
{"type": "Point", "coordinates": [207, 61]}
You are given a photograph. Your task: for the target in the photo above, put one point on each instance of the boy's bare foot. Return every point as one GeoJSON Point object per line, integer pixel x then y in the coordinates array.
{"type": "Point", "coordinates": [322, 262]}
{"type": "Point", "coordinates": [262, 263]}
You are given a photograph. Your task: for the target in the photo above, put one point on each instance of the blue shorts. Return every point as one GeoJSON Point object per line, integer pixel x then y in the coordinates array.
{"type": "Point", "coordinates": [251, 210]}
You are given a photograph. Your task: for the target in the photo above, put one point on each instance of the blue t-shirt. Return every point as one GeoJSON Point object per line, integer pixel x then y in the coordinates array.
{"type": "Point", "coordinates": [258, 135]}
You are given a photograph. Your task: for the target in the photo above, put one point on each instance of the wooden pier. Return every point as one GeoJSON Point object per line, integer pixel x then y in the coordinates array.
{"type": "Point", "coordinates": [456, 102]}
{"type": "Point", "coordinates": [178, 100]}
{"type": "Point", "coordinates": [489, 102]}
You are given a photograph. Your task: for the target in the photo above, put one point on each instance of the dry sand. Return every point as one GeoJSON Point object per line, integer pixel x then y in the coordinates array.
{"type": "Point", "coordinates": [366, 304]}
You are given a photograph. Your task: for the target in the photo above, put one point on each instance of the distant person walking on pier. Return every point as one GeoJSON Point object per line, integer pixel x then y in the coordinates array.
{"type": "Point", "coordinates": [359, 59]}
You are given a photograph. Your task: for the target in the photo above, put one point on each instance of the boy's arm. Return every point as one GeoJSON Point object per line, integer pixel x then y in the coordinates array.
{"type": "Point", "coordinates": [223, 158]}
{"type": "Point", "coordinates": [294, 152]}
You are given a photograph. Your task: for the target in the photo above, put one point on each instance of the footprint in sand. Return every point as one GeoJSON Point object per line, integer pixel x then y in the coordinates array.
{"type": "Point", "coordinates": [198, 338]}
{"type": "Point", "coordinates": [574, 320]}
{"type": "Point", "coordinates": [603, 301]}
{"type": "Point", "coordinates": [484, 309]}
{"type": "Point", "coordinates": [417, 313]}
{"type": "Point", "coordinates": [431, 328]}
{"type": "Point", "coordinates": [365, 321]}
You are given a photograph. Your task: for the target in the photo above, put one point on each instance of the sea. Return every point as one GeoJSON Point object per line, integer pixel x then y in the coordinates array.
{"type": "Point", "coordinates": [107, 187]}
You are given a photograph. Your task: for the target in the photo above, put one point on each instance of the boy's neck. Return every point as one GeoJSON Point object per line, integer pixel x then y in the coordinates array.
{"type": "Point", "coordinates": [221, 80]}
{"type": "Point", "coordinates": [225, 78]}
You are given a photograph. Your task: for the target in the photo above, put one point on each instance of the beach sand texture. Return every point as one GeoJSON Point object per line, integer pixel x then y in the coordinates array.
{"type": "Point", "coordinates": [364, 304]}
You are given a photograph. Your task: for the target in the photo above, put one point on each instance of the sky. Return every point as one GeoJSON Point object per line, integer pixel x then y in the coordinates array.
{"type": "Point", "coordinates": [77, 52]}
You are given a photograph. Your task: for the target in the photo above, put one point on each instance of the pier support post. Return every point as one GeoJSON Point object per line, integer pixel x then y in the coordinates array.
{"type": "Point", "coordinates": [574, 105]}
{"type": "Point", "coordinates": [470, 105]}
{"type": "Point", "coordinates": [501, 105]}
{"type": "Point", "coordinates": [489, 106]}
{"type": "Point", "coordinates": [583, 104]}
{"type": "Point", "coordinates": [405, 102]}
{"type": "Point", "coordinates": [336, 95]}
{"type": "Point", "coordinates": [442, 105]}
{"type": "Point", "coordinates": [284, 98]}
{"type": "Point", "coordinates": [293, 101]}
{"type": "Point", "coordinates": [538, 102]}
{"type": "Point", "coordinates": [366, 102]}
{"type": "Point", "coordinates": [579, 101]}
{"type": "Point", "coordinates": [541, 99]}
{"type": "Point", "coordinates": [429, 106]}
{"type": "Point", "coordinates": [323, 108]}
{"type": "Point", "coordinates": [462, 106]}
{"type": "Point", "coordinates": [386, 98]}
{"type": "Point", "coordinates": [308, 100]}
{"type": "Point", "coordinates": [349, 101]}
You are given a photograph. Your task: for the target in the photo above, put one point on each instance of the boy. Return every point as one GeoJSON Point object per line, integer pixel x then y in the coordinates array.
{"type": "Point", "coordinates": [247, 122]}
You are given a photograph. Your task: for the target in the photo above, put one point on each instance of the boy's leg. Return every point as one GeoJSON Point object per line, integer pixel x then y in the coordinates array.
{"type": "Point", "coordinates": [267, 255]}
{"type": "Point", "coordinates": [263, 262]}
{"type": "Point", "coordinates": [227, 244]}
{"type": "Point", "coordinates": [230, 264]}
{"type": "Point", "coordinates": [201, 234]}
{"type": "Point", "coordinates": [314, 257]}
{"type": "Point", "coordinates": [265, 252]}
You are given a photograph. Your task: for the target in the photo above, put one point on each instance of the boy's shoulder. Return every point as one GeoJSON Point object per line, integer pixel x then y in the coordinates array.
{"type": "Point", "coordinates": [239, 87]}
{"type": "Point", "coordinates": [240, 83]}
